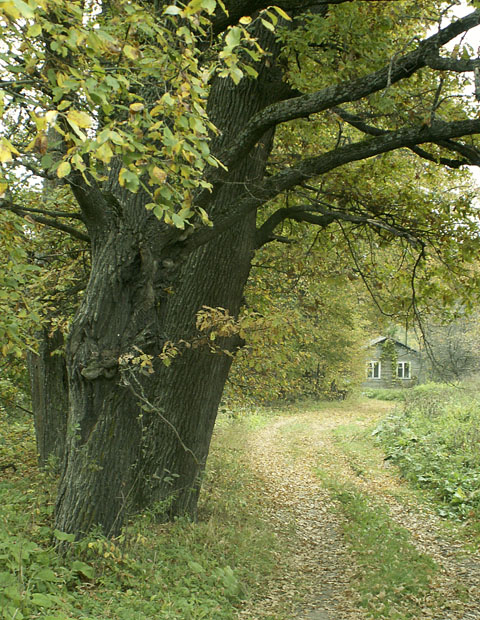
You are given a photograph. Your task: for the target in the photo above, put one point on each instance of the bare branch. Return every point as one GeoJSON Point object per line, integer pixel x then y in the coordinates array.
{"type": "Point", "coordinates": [470, 153]}
{"type": "Point", "coordinates": [459, 65]}
{"type": "Point", "coordinates": [323, 215]}
{"type": "Point", "coordinates": [300, 213]}
{"type": "Point", "coordinates": [66, 214]}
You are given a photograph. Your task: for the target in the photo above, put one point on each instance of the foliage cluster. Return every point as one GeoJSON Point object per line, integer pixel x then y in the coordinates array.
{"type": "Point", "coordinates": [15, 276]}
{"type": "Point", "coordinates": [306, 322]}
{"type": "Point", "coordinates": [433, 437]}
{"type": "Point", "coordinates": [452, 345]}
{"type": "Point", "coordinates": [169, 571]}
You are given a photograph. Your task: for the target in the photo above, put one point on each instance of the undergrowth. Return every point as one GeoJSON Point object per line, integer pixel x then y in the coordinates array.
{"type": "Point", "coordinates": [162, 571]}
{"type": "Point", "coordinates": [395, 394]}
{"type": "Point", "coordinates": [433, 438]}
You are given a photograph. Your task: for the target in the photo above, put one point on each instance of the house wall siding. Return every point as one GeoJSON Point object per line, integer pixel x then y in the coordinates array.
{"type": "Point", "coordinates": [388, 378]}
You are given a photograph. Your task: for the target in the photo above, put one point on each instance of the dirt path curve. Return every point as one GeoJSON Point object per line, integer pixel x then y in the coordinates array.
{"type": "Point", "coordinates": [285, 454]}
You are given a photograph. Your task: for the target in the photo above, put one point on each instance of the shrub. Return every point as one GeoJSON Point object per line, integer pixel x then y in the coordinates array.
{"type": "Point", "coordinates": [433, 438]}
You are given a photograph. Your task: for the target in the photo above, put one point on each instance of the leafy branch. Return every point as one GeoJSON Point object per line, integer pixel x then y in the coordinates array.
{"type": "Point", "coordinates": [313, 103]}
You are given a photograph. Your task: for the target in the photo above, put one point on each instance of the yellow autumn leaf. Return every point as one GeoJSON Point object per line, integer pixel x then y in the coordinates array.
{"type": "Point", "coordinates": [136, 107]}
{"type": "Point", "coordinates": [51, 116]}
{"type": "Point", "coordinates": [131, 52]}
{"type": "Point", "coordinates": [79, 118]}
{"type": "Point", "coordinates": [17, 9]}
{"type": "Point", "coordinates": [64, 169]}
{"type": "Point", "coordinates": [158, 175]}
{"type": "Point", "coordinates": [282, 13]}
{"type": "Point", "coordinates": [7, 151]}
{"type": "Point", "coordinates": [104, 152]}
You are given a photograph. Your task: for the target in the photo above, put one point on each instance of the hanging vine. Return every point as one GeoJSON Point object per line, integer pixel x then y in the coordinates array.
{"type": "Point", "coordinates": [389, 354]}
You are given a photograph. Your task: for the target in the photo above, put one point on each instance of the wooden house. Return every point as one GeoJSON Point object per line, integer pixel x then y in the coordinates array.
{"type": "Point", "coordinates": [390, 363]}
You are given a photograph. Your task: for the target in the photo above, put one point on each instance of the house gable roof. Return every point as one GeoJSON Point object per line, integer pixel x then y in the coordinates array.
{"type": "Point", "coordinates": [382, 339]}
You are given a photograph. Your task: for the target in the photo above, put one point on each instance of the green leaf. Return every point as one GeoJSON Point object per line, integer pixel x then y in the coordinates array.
{"type": "Point", "coordinates": [129, 179]}
{"type": "Point", "coordinates": [268, 25]}
{"type": "Point", "coordinates": [209, 6]}
{"type": "Point", "coordinates": [178, 221]}
{"type": "Point", "coordinates": [195, 567]}
{"type": "Point", "coordinates": [233, 38]}
{"type": "Point", "coordinates": [83, 568]}
{"type": "Point", "coordinates": [64, 536]}
{"type": "Point", "coordinates": [172, 10]}
{"type": "Point", "coordinates": [24, 9]}
{"type": "Point", "coordinates": [46, 574]}
{"type": "Point", "coordinates": [44, 600]}
{"type": "Point", "coordinates": [35, 30]}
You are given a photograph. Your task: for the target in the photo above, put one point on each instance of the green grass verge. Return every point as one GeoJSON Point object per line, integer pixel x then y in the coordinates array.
{"type": "Point", "coordinates": [393, 394]}
{"type": "Point", "coordinates": [394, 578]}
{"type": "Point", "coordinates": [167, 572]}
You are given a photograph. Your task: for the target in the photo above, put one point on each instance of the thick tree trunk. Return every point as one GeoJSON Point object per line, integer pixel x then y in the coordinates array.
{"type": "Point", "coordinates": [137, 438]}
{"type": "Point", "coordinates": [49, 394]}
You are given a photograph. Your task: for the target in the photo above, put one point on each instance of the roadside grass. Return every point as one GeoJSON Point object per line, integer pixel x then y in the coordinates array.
{"type": "Point", "coordinates": [209, 569]}
{"type": "Point", "coordinates": [394, 578]}
{"type": "Point", "coordinates": [390, 394]}
{"type": "Point", "coordinates": [231, 556]}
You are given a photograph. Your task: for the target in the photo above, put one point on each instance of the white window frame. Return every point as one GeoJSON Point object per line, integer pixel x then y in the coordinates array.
{"type": "Point", "coordinates": [404, 370]}
{"type": "Point", "coordinates": [374, 369]}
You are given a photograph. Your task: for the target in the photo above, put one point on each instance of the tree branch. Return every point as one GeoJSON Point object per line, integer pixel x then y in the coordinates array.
{"type": "Point", "coordinates": [460, 65]}
{"type": "Point", "coordinates": [66, 214]}
{"type": "Point", "coordinates": [471, 154]}
{"type": "Point", "coordinates": [358, 123]}
{"type": "Point", "coordinates": [305, 105]}
{"type": "Point", "coordinates": [392, 140]}
{"type": "Point", "coordinates": [40, 219]}
{"type": "Point", "coordinates": [91, 200]}
{"type": "Point", "coordinates": [254, 196]}
{"type": "Point", "coordinates": [322, 215]}
{"type": "Point", "coordinates": [300, 213]}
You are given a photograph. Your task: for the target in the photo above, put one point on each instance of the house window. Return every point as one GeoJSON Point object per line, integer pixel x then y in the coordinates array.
{"type": "Point", "coordinates": [403, 370]}
{"type": "Point", "coordinates": [373, 370]}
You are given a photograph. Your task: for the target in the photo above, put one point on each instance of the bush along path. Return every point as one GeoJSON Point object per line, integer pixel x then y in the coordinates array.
{"type": "Point", "coordinates": [357, 541]}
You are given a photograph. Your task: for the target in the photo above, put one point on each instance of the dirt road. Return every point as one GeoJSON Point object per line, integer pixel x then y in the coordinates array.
{"type": "Point", "coordinates": [297, 455]}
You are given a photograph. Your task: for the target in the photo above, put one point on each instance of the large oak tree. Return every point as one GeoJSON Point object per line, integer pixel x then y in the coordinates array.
{"type": "Point", "coordinates": [188, 136]}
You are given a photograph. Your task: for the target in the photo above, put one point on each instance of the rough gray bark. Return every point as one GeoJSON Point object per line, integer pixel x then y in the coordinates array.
{"type": "Point", "coordinates": [49, 394]}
